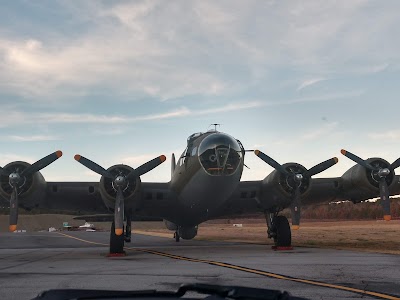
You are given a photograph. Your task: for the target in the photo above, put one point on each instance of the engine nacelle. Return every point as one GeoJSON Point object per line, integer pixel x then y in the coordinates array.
{"type": "Point", "coordinates": [170, 226]}
{"type": "Point", "coordinates": [32, 189]}
{"type": "Point", "coordinates": [131, 191]}
{"type": "Point", "coordinates": [277, 186]}
{"type": "Point", "coordinates": [187, 233]}
{"type": "Point", "coordinates": [360, 183]}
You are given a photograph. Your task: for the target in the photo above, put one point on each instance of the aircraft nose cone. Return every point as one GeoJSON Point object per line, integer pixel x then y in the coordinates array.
{"type": "Point", "coordinates": [220, 154]}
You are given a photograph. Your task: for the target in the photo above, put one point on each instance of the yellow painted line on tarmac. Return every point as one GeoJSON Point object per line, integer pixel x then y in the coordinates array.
{"type": "Point", "coordinates": [152, 233]}
{"type": "Point", "coordinates": [253, 271]}
{"type": "Point", "coordinates": [82, 240]}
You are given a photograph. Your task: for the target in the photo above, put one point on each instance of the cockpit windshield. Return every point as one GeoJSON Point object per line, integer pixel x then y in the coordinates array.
{"type": "Point", "coordinates": [220, 154]}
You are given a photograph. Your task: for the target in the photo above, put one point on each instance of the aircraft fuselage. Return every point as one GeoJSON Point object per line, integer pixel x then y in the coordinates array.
{"type": "Point", "coordinates": [206, 175]}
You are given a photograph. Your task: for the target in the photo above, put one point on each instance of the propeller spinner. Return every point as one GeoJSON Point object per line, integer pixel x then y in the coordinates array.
{"type": "Point", "coordinates": [296, 178]}
{"type": "Point", "coordinates": [120, 182]}
{"type": "Point", "coordinates": [17, 179]}
{"type": "Point", "coordinates": [381, 173]}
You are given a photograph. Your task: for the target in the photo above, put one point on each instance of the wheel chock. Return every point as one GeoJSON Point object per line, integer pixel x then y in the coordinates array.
{"type": "Point", "coordinates": [276, 248]}
{"type": "Point", "coordinates": [119, 254]}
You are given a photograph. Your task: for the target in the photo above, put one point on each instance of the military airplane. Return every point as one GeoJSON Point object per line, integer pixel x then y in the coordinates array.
{"type": "Point", "coordinates": [205, 184]}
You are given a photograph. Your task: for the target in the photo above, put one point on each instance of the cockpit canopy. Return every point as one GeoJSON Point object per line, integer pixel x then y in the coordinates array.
{"type": "Point", "coordinates": [220, 154]}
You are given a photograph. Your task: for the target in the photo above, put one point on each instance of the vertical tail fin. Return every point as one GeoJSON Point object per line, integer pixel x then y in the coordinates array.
{"type": "Point", "coordinates": [173, 164]}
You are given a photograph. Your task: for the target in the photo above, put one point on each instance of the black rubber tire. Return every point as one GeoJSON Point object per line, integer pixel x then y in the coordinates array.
{"type": "Point", "coordinates": [283, 234]}
{"type": "Point", "coordinates": [128, 233]}
{"type": "Point", "coordinates": [116, 241]}
{"type": "Point", "coordinates": [177, 237]}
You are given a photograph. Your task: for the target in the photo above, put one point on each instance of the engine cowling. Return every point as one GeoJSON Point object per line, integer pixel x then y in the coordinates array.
{"type": "Point", "coordinates": [360, 183]}
{"type": "Point", "coordinates": [278, 186]}
{"type": "Point", "coordinates": [187, 233]}
{"type": "Point", "coordinates": [32, 190]}
{"type": "Point", "coordinates": [108, 191]}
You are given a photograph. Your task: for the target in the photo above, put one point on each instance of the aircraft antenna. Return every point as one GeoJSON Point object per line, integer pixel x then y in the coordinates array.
{"type": "Point", "coordinates": [215, 126]}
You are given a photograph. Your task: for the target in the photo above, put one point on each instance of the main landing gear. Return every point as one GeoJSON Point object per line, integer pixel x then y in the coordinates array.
{"type": "Point", "coordinates": [177, 236]}
{"type": "Point", "coordinates": [128, 229]}
{"type": "Point", "coordinates": [279, 230]}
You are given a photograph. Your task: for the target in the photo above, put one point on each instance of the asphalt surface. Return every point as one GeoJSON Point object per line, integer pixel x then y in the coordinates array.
{"type": "Point", "coordinates": [33, 262]}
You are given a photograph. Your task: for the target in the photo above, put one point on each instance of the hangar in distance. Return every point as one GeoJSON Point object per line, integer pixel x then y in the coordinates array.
{"type": "Point", "coordinates": [205, 184]}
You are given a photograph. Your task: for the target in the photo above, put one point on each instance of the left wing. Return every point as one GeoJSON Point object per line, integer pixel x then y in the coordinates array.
{"type": "Point", "coordinates": [291, 185]}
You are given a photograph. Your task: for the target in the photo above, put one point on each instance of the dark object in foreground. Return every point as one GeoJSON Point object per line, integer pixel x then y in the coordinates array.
{"type": "Point", "coordinates": [215, 291]}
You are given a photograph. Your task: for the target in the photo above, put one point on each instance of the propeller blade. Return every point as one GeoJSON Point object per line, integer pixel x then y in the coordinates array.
{"type": "Point", "coordinates": [41, 163]}
{"type": "Point", "coordinates": [385, 199]}
{"type": "Point", "coordinates": [119, 212]}
{"type": "Point", "coordinates": [146, 167]}
{"type": "Point", "coordinates": [296, 209]}
{"type": "Point", "coordinates": [4, 172]}
{"type": "Point", "coordinates": [13, 210]}
{"type": "Point", "coordinates": [395, 164]}
{"type": "Point", "coordinates": [93, 166]}
{"type": "Point", "coordinates": [357, 160]}
{"type": "Point", "coordinates": [322, 166]}
{"type": "Point", "coordinates": [271, 162]}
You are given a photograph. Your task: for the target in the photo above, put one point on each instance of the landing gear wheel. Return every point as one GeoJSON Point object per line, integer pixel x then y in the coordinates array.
{"type": "Point", "coordinates": [283, 237]}
{"type": "Point", "coordinates": [176, 236]}
{"type": "Point", "coordinates": [128, 229]}
{"type": "Point", "coordinates": [116, 242]}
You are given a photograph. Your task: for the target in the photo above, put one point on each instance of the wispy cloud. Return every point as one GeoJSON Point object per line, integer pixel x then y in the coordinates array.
{"type": "Point", "coordinates": [230, 107]}
{"type": "Point", "coordinates": [33, 138]}
{"type": "Point", "coordinates": [182, 112]}
{"type": "Point", "coordinates": [6, 158]}
{"type": "Point", "coordinates": [66, 118]}
{"type": "Point", "coordinates": [392, 135]}
{"type": "Point", "coordinates": [15, 118]}
{"type": "Point", "coordinates": [136, 161]}
{"type": "Point", "coordinates": [309, 82]}
{"type": "Point", "coordinates": [319, 132]}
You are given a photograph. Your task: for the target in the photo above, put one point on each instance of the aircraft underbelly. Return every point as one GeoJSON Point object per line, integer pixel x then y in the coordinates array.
{"type": "Point", "coordinates": [203, 194]}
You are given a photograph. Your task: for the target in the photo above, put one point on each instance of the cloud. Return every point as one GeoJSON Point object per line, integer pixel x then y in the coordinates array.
{"type": "Point", "coordinates": [168, 115]}
{"type": "Point", "coordinates": [136, 161]}
{"type": "Point", "coordinates": [319, 132]}
{"type": "Point", "coordinates": [6, 158]}
{"type": "Point", "coordinates": [229, 107]}
{"type": "Point", "coordinates": [309, 82]}
{"type": "Point", "coordinates": [145, 47]}
{"type": "Point", "coordinates": [32, 138]}
{"type": "Point", "coordinates": [17, 118]}
{"type": "Point", "coordinates": [392, 135]}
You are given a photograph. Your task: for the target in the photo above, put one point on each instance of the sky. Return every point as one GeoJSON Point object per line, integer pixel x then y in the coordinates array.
{"type": "Point", "coordinates": [127, 81]}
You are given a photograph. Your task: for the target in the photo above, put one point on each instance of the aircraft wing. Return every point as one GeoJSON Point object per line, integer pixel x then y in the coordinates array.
{"type": "Point", "coordinates": [258, 196]}
{"type": "Point", "coordinates": [71, 197]}
{"type": "Point", "coordinates": [84, 198]}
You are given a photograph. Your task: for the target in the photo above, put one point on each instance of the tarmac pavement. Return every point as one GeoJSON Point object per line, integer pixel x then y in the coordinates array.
{"type": "Point", "coordinates": [33, 262]}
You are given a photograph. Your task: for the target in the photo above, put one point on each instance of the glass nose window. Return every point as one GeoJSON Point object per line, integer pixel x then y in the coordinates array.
{"type": "Point", "coordinates": [220, 154]}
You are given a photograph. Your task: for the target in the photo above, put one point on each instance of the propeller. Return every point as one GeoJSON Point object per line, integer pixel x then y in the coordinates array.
{"type": "Point", "coordinates": [295, 180]}
{"type": "Point", "coordinates": [17, 179]}
{"type": "Point", "coordinates": [381, 173]}
{"type": "Point", "coordinates": [120, 181]}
